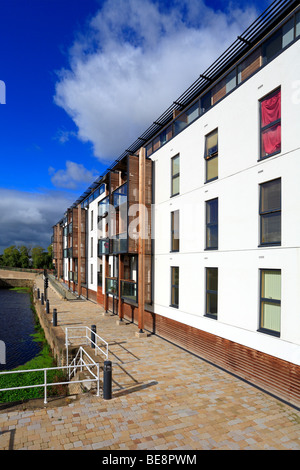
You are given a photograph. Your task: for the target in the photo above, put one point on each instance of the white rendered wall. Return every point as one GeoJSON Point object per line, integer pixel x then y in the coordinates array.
{"type": "Point", "coordinates": [238, 257]}
{"type": "Point", "coordinates": [95, 235]}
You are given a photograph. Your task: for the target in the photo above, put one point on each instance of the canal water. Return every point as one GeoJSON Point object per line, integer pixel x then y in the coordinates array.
{"type": "Point", "coordinates": [16, 325]}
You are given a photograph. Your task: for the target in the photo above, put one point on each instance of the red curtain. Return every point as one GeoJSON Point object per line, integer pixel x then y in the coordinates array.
{"type": "Point", "coordinates": [270, 112]}
{"type": "Point", "coordinates": [271, 109]}
{"type": "Point", "coordinates": [271, 140]}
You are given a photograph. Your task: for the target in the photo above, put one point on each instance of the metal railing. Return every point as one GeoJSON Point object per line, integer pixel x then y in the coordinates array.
{"type": "Point", "coordinates": [72, 370]}
{"type": "Point", "coordinates": [89, 336]}
{"type": "Point", "coordinates": [78, 362]}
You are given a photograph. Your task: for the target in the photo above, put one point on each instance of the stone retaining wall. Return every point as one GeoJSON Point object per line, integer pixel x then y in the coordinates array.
{"type": "Point", "coordinates": [10, 282]}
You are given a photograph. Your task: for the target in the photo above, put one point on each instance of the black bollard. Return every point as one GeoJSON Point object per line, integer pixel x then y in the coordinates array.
{"type": "Point", "coordinates": [107, 380]}
{"type": "Point", "coordinates": [93, 337]}
{"type": "Point", "coordinates": [54, 319]}
{"type": "Point", "coordinates": [47, 306]}
{"type": "Point", "coordinates": [42, 298]}
{"type": "Point", "coordinates": [38, 293]}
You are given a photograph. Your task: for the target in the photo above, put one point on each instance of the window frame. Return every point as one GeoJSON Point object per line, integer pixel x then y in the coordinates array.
{"type": "Point", "coordinates": [268, 213]}
{"type": "Point", "coordinates": [263, 300]}
{"type": "Point", "coordinates": [209, 157]}
{"type": "Point", "coordinates": [174, 176]}
{"type": "Point", "coordinates": [210, 224]}
{"type": "Point", "coordinates": [262, 129]}
{"type": "Point", "coordinates": [211, 291]}
{"type": "Point", "coordinates": [174, 286]}
{"type": "Point", "coordinates": [173, 231]}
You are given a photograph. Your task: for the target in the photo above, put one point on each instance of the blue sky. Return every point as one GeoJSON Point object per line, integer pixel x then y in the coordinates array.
{"type": "Point", "coordinates": [83, 79]}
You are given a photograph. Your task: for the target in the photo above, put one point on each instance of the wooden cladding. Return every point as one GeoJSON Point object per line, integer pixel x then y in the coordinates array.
{"type": "Point", "coordinates": [75, 231]}
{"type": "Point", "coordinates": [244, 70]}
{"type": "Point", "coordinates": [133, 201]}
{"type": "Point", "coordinates": [58, 249]}
{"type": "Point", "coordinates": [250, 65]}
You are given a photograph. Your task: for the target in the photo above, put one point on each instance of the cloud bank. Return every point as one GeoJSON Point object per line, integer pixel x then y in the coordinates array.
{"type": "Point", "coordinates": [135, 59]}
{"type": "Point", "coordinates": [27, 218]}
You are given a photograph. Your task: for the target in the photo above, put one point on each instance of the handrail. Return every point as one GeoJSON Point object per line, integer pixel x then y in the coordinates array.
{"type": "Point", "coordinates": [45, 384]}
{"type": "Point", "coordinates": [87, 338]}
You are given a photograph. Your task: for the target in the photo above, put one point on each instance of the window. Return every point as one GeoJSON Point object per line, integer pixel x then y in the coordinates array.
{"type": "Point", "coordinates": [92, 247]}
{"type": "Point", "coordinates": [272, 46]}
{"type": "Point", "coordinates": [270, 301]}
{"type": "Point", "coordinates": [297, 32]}
{"type": "Point", "coordinates": [100, 275]}
{"type": "Point", "coordinates": [92, 274]}
{"type": "Point", "coordinates": [92, 220]}
{"type": "Point", "coordinates": [175, 231]}
{"type": "Point", "coordinates": [270, 124]}
{"type": "Point", "coordinates": [205, 102]}
{"type": "Point", "coordinates": [270, 212]}
{"type": "Point", "coordinates": [175, 172]}
{"type": "Point", "coordinates": [211, 156]}
{"type": "Point", "coordinates": [212, 224]}
{"type": "Point", "coordinates": [288, 32]}
{"type": "Point", "coordinates": [174, 286]}
{"type": "Point", "coordinates": [212, 292]}
{"type": "Point", "coordinates": [231, 81]}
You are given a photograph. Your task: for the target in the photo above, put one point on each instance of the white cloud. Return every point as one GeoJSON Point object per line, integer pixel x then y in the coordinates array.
{"type": "Point", "coordinates": [136, 58]}
{"type": "Point", "coordinates": [27, 218]}
{"type": "Point", "coordinates": [73, 176]}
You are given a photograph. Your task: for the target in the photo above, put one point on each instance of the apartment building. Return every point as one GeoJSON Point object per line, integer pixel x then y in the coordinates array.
{"type": "Point", "coordinates": [193, 232]}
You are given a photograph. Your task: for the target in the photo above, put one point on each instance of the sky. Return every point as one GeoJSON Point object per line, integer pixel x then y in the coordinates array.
{"type": "Point", "coordinates": [82, 80]}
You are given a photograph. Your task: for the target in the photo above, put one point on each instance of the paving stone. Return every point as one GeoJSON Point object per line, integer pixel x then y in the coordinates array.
{"type": "Point", "coordinates": [163, 398]}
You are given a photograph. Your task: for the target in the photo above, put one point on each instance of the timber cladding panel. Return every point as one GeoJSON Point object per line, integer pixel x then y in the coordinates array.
{"type": "Point", "coordinates": [273, 375]}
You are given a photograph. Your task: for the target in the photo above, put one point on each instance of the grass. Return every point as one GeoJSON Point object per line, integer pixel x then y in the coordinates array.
{"type": "Point", "coordinates": [43, 360]}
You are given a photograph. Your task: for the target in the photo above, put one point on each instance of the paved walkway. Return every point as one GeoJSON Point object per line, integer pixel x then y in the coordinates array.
{"type": "Point", "coordinates": [163, 399]}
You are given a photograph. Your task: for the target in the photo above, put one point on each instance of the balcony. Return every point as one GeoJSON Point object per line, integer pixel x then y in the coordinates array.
{"type": "Point", "coordinates": [111, 286]}
{"type": "Point", "coordinates": [103, 246]}
{"type": "Point", "coordinates": [103, 208]}
{"type": "Point", "coordinates": [68, 252]}
{"type": "Point", "coordinates": [129, 290]}
{"type": "Point", "coordinates": [120, 196]}
{"type": "Point", "coordinates": [119, 243]}
{"type": "Point", "coordinates": [73, 276]}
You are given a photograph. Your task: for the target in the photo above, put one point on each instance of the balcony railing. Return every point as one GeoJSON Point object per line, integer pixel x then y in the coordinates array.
{"type": "Point", "coordinates": [119, 244]}
{"type": "Point", "coordinates": [111, 286]}
{"type": "Point", "coordinates": [68, 252]}
{"type": "Point", "coordinates": [129, 290]}
{"type": "Point", "coordinates": [103, 246]}
{"type": "Point", "coordinates": [73, 276]}
{"type": "Point", "coordinates": [120, 196]}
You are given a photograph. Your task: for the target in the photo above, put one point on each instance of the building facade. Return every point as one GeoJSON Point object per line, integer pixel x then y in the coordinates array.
{"type": "Point", "coordinates": [195, 234]}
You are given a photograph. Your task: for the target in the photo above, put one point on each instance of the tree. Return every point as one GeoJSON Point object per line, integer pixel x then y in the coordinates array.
{"type": "Point", "coordinates": [24, 256]}
{"type": "Point", "coordinates": [11, 257]}
{"type": "Point", "coordinates": [38, 257]}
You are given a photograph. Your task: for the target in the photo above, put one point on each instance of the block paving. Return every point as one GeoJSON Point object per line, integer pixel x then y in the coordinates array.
{"type": "Point", "coordinates": [163, 398]}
